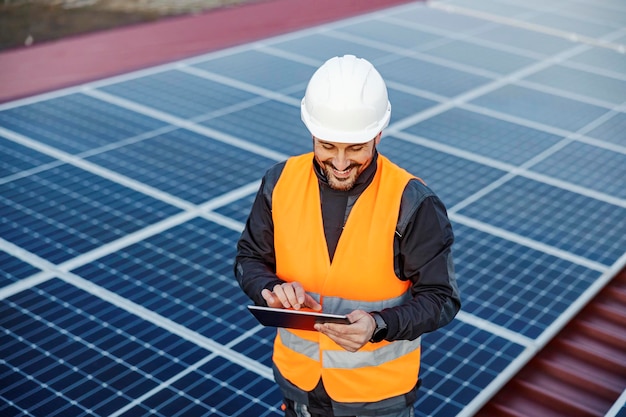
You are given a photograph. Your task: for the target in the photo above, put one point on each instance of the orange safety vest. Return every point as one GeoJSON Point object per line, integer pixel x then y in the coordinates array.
{"type": "Point", "coordinates": [361, 276]}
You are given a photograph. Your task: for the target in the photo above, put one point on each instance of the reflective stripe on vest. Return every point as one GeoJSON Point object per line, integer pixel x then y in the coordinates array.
{"type": "Point", "coordinates": [342, 306]}
{"type": "Point", "coordinates": [347, 360]}
{"type": "Point", "coordinates": [361, 276]}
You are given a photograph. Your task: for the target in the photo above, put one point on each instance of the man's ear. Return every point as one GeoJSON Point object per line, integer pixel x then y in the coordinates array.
{"type": "Point", "coordinates": [378, 137]}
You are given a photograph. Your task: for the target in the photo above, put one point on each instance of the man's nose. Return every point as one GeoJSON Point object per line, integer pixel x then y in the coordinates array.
{"type": "Point", "coordinates": [340, 161]}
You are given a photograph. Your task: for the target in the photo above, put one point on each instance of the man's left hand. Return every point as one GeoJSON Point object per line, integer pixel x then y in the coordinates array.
{"type": "Point", "coordinates": [353, 336]}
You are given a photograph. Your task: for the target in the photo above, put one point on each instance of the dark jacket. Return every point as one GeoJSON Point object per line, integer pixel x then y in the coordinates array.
{"type": "Point", "coordinates": [422, 250]}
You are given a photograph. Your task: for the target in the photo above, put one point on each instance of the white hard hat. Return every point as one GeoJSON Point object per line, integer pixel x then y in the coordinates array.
{"type": "Point", "coordinates": [346, 101]}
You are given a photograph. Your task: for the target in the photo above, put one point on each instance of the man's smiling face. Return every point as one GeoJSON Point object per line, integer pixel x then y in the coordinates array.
{"type": "Point", "coordinates": [342, 163]}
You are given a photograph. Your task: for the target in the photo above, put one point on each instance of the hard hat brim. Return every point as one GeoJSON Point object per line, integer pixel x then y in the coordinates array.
{"type": "Point", "coordinates": [338, 136]}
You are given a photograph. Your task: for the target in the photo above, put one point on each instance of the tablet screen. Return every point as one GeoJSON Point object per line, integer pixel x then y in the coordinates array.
{"type": "Point", "coordinates": [294, 319]}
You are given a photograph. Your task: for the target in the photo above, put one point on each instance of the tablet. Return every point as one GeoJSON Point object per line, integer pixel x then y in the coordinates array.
{"type": "Point", "coordinates": [294, 319]}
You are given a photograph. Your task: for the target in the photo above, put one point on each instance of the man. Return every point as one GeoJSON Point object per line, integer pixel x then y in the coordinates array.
{"type": "Point", "coordinates": [346, 231]}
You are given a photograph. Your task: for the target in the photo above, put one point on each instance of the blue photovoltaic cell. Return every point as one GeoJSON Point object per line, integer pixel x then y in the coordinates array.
{"type": "Point", "coordinates": [15, 158]}
{"type": "Point", "coordinates": [238, 66]}
{"type": "Point", "coordinates": [13, 269]}
{"type": "Point", "coordinates": [185, 164]}
{"type": "Point", "coordinates": [485, 135]}
{"type": "Point", "coordinates": [76, 123]}
{"type": "Point", "coordinates": [63, 212]}
{"type": "Point", "coordinates": [218, 388]}
{"type": "Point", "coordinates": [405, 104]}
{"type": "Point", "coordinates": [545, 108]}
{"type": "Point", "coordinates": [525, 40]}
{"type": "Point", "coordinates": [452, 178]}
{"type": "Point", "coordinates": [458, 362]}
{"type": "Point", "coordinates": [258, 346]}
{"type": "Point", "coordinates": [611, 130]}
{"type": "Point", "coordinates": [516, 287]}
{"type": "Point", "coordinates": [445, 23]}
{"type": "Point", "coordinates": [573, 25]}
{"type": "Point", "coordinates": [570, 24]}
{"type": "Point", "coordinates": [427, 76]}
{"type": "Point", "coordinates": [185, 274]}
{"type": "Point", "coordinates": [65, 352]}
{"type": "Point", "coordinates": [565, 220]}
{"type": "Point", "coordinates": [239, 209]}
{"type": "Point", "coordinates": [589, 166]}
{"type": "Point", "coordinates": [492, 7]}
{"type": "Point", "coordinates": [576, 24]}
{"type": "Point", "coordinates": [595, 86]}
{"type": "Point", "coordinates": [602, 58]}
{"type": "Point", "coordinates": [296, 93]}
{"type": "Point", "coordinates": [609, 15]}
{"type": "Point", "coordinates": [179, 94]}
{"type": "Point", "coordinates": [481, 57]}
{"type": "Point", "coordinates": [398, 36]}
{"type": "Point", "coordinates": [271, 124]}
{"type": "Point", "coordinates": [322, 46]}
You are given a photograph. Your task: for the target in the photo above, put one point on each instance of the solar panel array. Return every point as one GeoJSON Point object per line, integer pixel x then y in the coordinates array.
{"type": "Point", "coordinates": [121, 202]}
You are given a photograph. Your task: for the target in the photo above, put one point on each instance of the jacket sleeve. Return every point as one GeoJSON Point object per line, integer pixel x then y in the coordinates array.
{"type": "Point", "coordinates": [423, 255]}
{"type": "Point", "coordinates": [255, 262]}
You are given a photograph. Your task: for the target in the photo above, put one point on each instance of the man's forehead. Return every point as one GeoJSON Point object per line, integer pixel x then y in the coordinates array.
{"type": "Point", "coordinates": [341, 144]}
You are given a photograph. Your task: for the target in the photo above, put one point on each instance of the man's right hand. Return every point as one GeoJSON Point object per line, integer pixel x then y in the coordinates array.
{"type": "Point", "coordinates": [289, 295]}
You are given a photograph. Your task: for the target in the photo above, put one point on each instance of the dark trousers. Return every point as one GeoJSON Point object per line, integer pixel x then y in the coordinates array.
{"type": "Point", "coordinates": [320, 406]}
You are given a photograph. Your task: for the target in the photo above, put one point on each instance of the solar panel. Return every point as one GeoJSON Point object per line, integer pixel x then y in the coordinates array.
{"type": "Point", "coordinates": [485, 135]}
{"type": "Point", "coordinates": [65, 211]}
{"type": "Point", "coordinates": [14, 269]}
{"type": "Point", "coordinates": [69, 352]}
{"type": "Point", "coordinates": [121, 203]}
{"type": "Point", "coordinates": [76, 123]}
{"type": "Point", "coordinates": [184, 164]}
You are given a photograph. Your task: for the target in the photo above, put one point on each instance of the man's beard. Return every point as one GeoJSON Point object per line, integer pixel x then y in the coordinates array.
{"type": "Point", "coordinates": [341, 184]}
